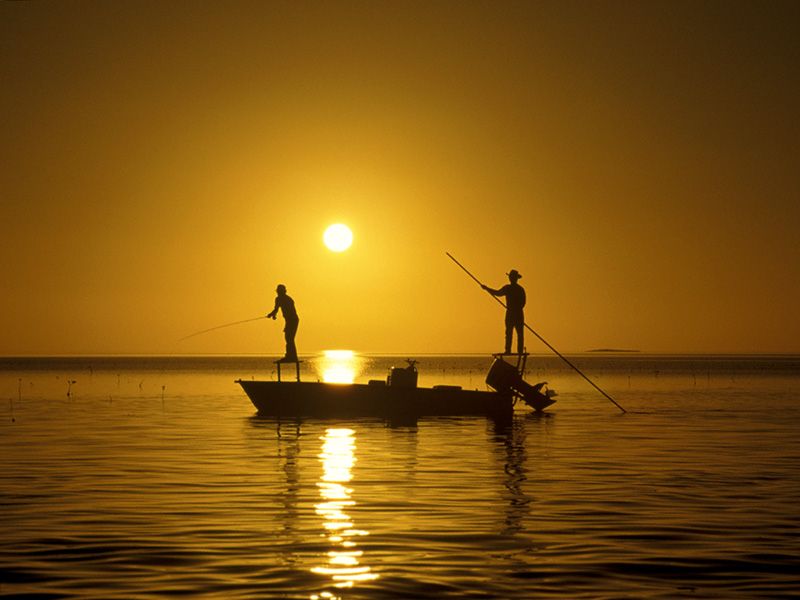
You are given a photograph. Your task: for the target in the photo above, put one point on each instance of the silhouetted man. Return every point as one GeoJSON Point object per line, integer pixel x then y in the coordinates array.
{"type": "Point", "coordinates": [515, 302]}
{"type": "Point", "coordinates": [284, 302]}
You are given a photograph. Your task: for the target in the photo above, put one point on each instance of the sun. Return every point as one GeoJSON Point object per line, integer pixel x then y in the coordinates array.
{"type": "Point", "coordinates": [338, 237]}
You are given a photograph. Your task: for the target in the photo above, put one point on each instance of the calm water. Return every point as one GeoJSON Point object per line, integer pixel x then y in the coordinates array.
{"type": "Point", "coordinates": [154, 477]}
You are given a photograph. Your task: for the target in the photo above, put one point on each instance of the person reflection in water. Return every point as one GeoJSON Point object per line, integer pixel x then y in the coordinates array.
{"type": "Point", "coordinates": [285, 303]}
{"type": "Point", "coordinates": [515, 302]}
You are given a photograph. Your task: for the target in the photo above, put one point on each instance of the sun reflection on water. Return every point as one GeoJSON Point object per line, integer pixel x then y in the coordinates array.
{"type": "Point", "coordinates": [340, 366]}
{"type": "Point", "coordinates": [343, 564]}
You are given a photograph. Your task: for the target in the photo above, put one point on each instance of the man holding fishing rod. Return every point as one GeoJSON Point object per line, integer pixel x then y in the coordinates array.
{"type": "Point", "coordinates": [515, 302]}
{"type": "Point", "coordinates": [285, 303]}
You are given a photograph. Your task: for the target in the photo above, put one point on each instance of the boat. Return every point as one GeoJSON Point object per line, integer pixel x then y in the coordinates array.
{"type": "Point", "coordinates": [398, 395]}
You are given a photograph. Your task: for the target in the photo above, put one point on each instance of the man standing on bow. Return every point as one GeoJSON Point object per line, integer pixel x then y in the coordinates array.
{"type": "Point", "coordinates": [285, 303]}
{"type": "Point", "coordinates": [515, 302]}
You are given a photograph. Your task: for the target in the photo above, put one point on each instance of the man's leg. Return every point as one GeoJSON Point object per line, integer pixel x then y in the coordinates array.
{"type": "Point", "coordinates": [520, 338]}
{"type": "Point", "coordinates": [290, 331]}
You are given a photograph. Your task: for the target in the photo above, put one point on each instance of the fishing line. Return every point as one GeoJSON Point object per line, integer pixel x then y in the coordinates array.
{"type": "Point", "coordinates": [220, 327]}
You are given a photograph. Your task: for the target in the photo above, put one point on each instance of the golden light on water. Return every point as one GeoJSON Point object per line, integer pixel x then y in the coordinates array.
{"type": "Point", "coordinates": [340, 366]}
{"type": "Point", "coordinates": [343, 564]}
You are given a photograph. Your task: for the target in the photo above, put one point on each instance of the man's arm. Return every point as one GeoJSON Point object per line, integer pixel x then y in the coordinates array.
{"type": "Point", "coordinates": [274, 310]}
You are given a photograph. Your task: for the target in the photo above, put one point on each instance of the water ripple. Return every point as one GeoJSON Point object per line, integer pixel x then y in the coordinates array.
{"type": "Point", "coordinates": [693, 494]}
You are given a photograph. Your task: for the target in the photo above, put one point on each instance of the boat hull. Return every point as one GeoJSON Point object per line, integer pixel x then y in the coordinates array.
{"type": "Point", "coordinates": [317, 399]}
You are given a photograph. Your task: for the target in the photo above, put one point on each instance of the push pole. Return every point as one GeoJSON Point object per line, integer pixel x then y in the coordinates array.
{"type": "Point", "coordinates": [541, 339]}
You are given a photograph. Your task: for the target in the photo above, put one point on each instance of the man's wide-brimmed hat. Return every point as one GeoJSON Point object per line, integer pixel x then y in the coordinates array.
{"type": "Point", "coordinates": [514, 274]}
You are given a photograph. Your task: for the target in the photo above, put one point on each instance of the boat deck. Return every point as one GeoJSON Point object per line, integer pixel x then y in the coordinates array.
{"type": "Point", "coordinates": [311, 399]}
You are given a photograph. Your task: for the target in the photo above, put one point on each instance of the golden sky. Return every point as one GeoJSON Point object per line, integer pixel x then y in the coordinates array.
{"type": "Point", "coordinates": [165, 165]}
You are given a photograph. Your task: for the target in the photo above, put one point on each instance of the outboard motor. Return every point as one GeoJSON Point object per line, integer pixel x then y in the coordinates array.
{"type": "Point", "coordinates": [505, 378]}
{"type": "Point", "coordinates": [403, 377]}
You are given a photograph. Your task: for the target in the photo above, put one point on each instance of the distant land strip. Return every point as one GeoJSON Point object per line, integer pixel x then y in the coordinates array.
{"type": "Point", "coordinates": [612, 350]}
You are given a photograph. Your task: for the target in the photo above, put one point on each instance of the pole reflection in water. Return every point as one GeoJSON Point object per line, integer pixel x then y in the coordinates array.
{"type": "Point", "coordinates": [343, 564]}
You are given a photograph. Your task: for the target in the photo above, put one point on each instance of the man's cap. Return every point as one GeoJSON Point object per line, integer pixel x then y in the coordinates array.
{"type": "Point", "coordinates": [514, 274]}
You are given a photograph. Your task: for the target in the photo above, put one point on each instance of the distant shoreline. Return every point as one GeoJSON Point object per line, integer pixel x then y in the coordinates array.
{"type": "Point", "coordinates": [614, 350]}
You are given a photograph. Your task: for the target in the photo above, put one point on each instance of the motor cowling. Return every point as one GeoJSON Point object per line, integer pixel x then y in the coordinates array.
{"type": "Point", "coordinates": [505, 378]}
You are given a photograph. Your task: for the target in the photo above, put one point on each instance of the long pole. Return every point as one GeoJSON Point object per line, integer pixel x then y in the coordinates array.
{"type": "Point", "coordinates": [221, 326]}
{"type": "Point", "coordinates": [541, 339]}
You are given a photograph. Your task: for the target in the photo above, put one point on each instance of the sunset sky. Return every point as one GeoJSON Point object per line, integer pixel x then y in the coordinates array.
{"type": "Point", "coordinates": [165, 165]}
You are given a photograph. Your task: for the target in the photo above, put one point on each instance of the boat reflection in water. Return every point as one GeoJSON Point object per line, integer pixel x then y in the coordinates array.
{"type": "Point", "coordinates": [344, 558]}
{"type": "Point", "coordinates": [340, 366]}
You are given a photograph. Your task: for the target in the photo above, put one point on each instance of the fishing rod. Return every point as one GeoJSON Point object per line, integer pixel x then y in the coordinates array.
{"type": "Point", "coordinates": [541, 339]}
{"type": "Point", "coordinates": [221, 326]}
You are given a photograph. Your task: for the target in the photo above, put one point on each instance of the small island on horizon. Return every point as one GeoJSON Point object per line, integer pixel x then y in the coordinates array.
{"type": "Point", "coordinates": [613, 350]}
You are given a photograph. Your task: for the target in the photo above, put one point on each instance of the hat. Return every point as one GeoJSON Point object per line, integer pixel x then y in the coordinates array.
{"type": "Point", "coordinates": [514, 274]}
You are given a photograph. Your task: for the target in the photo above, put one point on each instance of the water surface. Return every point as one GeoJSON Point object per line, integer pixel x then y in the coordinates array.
{"type": "Point", "coordinates": [155, 477]}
